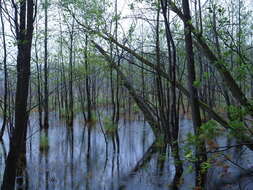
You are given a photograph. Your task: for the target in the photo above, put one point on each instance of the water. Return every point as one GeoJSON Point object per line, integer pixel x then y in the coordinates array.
{"type": "Point", "coordinates": [82, 158]}
{"type": "Point", "coordinates": [71, 164]}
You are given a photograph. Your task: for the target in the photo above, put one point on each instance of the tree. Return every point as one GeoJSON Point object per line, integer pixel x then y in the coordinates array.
{"type": "Point", "coordinates": [5, 74]}
{"type": "Point", "coordinates": [24, 10]}
{"type": "Point", "coordinates": [200, 146]}
{"type": "Point", "coordinates": [46, 95]}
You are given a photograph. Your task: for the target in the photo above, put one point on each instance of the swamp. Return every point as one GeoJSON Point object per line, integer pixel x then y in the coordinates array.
{"type": "Point", "coordinates": [126, 95]}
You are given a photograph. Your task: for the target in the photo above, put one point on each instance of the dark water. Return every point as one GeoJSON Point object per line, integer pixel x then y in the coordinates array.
{"type": "Point", "coordinates": [82, 158]}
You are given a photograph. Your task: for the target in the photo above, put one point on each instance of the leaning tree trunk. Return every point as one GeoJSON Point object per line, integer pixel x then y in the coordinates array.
{"type": "Point", "coordinates": [24, 31]}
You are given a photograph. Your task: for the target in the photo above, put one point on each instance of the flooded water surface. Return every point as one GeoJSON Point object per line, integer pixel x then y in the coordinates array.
{"type": "Point", "coordinates": [83, 157]}
{"type": "Point", "coordinates": [87, 157]}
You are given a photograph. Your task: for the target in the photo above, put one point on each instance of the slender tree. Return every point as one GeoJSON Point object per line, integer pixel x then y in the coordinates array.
{"type": "Point", "coordinates": [200, 146]}
{"type": "Point", "coordinates": [5, 74]}
{"type": "Point", "coordinates": [46, 95]}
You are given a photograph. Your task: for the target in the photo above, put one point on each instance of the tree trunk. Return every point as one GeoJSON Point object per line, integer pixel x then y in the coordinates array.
{"type": "Point", "coordinates": [5, 75]}
{"type": "Point", "coordinates": [46, 125]}
{"type": "Point", "coordinates": [87, 81]}
{"type": "Point", "coordinates": [24, 39]}
{"type": "Point", "coordinates": [200, 146]}
{"type": "Point", "coordinates": [71, 98]}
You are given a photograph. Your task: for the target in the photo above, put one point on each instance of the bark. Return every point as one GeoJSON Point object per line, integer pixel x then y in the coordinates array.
{"type": "Point", "coordinates": [149, 116]}
{"type": "Point", "coordinates": [46, 125]}
{"type": "Point", "coordinates": [217, 44]}
{"type": "Point", "coordinates": [39, 94]}
{"type": "Point", "coordinates": [163, 119]}
{"type": "Point", "coordinates": [71, 98]}
{"type": "Point", "coordinates": [24, 38]}
{"type": "Point", "coordinates": [5, 75]}
{"type": "Point", "coordinates": [118, 63]}
{"type": "Point", "coordinates": [87, 81]}
{"type": "Point", "coordinates": [207, 52]}
{"type": "Point", "coordinates": [203, 105]}
{"type": "Point", "coordinates": [174, 109]}
{"type": "Point", "coordinates": [200, 146]}
{"type": "Point", "coordinates": [215, 61]}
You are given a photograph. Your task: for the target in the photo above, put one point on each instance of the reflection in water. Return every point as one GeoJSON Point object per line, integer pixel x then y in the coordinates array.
{"type": "Point", "coordinates": [139, 165]}
{"type": "Point", "coordinates": [85, 157]}
{"type": "Point", "coordinates": [43, 159]}
{"type": "Point", "coordinates": [89, 171]}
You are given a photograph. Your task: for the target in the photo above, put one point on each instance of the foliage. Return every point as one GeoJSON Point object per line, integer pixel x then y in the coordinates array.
{"type": "Point", "coordinates": [210, 130]}
{"type": "Point", "coordinates": [109, 126]}
{"type": "Point", "coordinates": [44, 141]}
